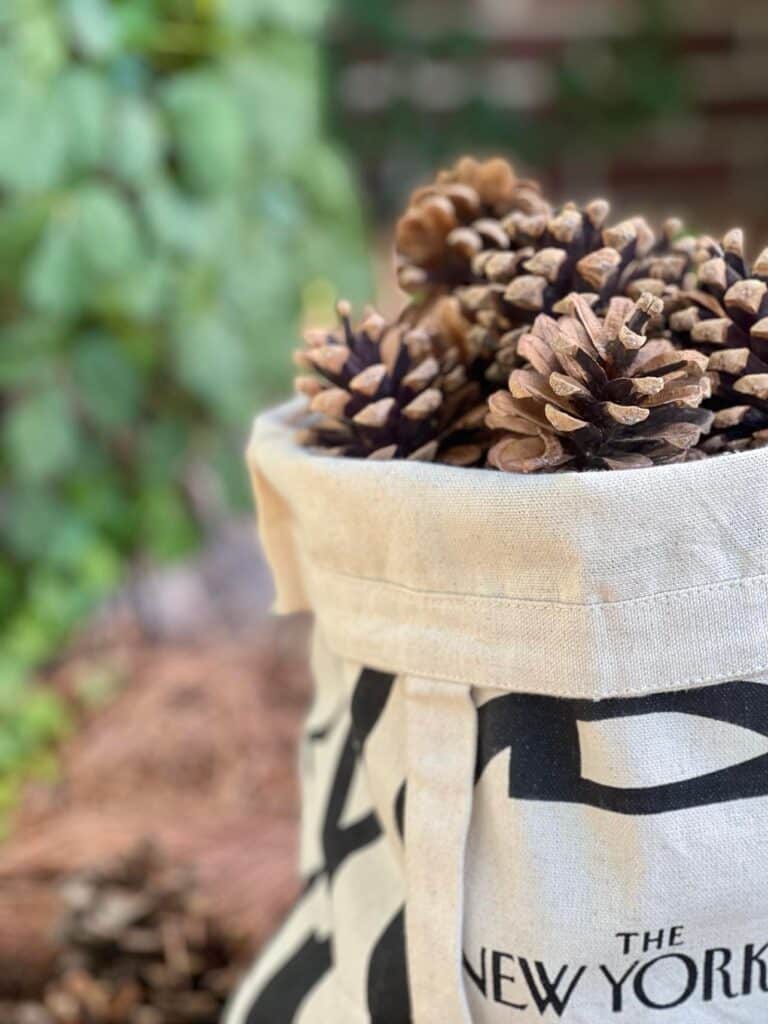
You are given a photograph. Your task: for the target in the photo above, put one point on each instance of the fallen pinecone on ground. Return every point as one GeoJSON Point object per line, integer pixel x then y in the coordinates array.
{"type": "Point", "coordinates": [448, 222]}
{"type": "Point", "coordinates": [384, 391]}
{"type": "Point", "coordinates": [598, 394]}
{"type": "Point", "coordinates": [136, 948]}
{"type": "Point", "coordinates": [727, 317]}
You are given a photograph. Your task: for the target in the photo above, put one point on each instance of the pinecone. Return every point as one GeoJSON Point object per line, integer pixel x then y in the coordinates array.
{"type": "Point", "coordinates": [385, 391]}
{"type": "Point", "coordinates": [547, 258]}
{"type": "Point", "coordinates": [727, 318]}
{"type": "Point", "coordinates": [137, 948]}
{"type": "Point", "coordinates": [451, 220]}
{"type": "Point", "coordinates": [444, 319]}
{"type": "Point", "coordinates": [598, 394]}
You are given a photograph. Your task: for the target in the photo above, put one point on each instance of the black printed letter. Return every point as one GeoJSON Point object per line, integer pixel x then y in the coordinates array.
{"type": "Point", "coordinates": [549, 995]}
{"type": "Point", "coordinates": [750, 959]}
{"type": "Point", "coordinates": [690, 984]}
{"type": "Point", "coordinates": [617, 985]}
{"type": "Point", "coordinates": [499, 977]}
{"type": "Point", "coordinates": [479, 979]}
{"type": "Point", "coordinates": [709, 972]}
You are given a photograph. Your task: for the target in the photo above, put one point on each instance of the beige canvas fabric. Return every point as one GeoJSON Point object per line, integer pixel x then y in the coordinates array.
{"type": "Point", "coordinates": [580, 585]}
{"type": "Point", "coordinates": [537, 768]}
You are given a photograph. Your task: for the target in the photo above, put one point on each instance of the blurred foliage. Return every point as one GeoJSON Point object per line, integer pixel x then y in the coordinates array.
{"type": "Point", "coordinates": [166, 189]}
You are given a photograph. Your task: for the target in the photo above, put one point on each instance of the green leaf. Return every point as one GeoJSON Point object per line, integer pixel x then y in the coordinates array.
{"type": "Point", "coordinates": [93, 25]}
{"type": "Point", "coordinates": [13, 684]}
{"type": "Point", "coordinates": [137, 141]}
{"type": "Point", "coordinates": [143, 293]}
{"type": "Point", "coordinates": [140, 21]}
{"type": "Point", "coordinates": [11, 750]}
{"type": "Point", "coordinates": [97, 495]}
{"type": "Point", "coordinates": [107, 234]}
{"type": "Point", "coordinates": [27, 348]}
{"type": "Point", "coordinates": [67, 547]}
{"type": "Point", "coordinates": [39, 42]}
{"type": "Point", "coordinates": [53, 280]}
{"type": "Point", "coordinates": [166, 528]}
{"type": "Point", "coordinates": [162, 450]}
{"type": "Point", "coordinates": [212, 159]}
{"type": "Point", "coordinates": [32, 515]}
{"type": "Point", "coordinates": [210, 360]}
{"type": "Point", "coordinates": [328, 184]}
{"type": "Point", "coordinates": [263, 291]}
{"type": "Point", "coordinates": [83, 99]}
{"type": "Point", "coordinates": [21, 224]}
{"type": "Point", "coordinates": [176, 220]}
{"type": "Point", "coordinates": [32, 160]}
{"type": "Point", "coordinates": [40, 436]}
{"type": "Point", "coordinates": [9, 587]}
{"type": "Point", "coordinates": [108, 385]}
{"type": "Point", "coordinates": [279, 92]}
{"type": "Point", "coordinates": [43, 717]}
{"type": "Point", "coordinates": [27, 640]}
{"type": "Point", "coordinates": [77, 553]}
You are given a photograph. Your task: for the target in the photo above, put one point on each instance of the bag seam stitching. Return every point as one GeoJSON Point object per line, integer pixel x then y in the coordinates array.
{"type": "Point", "coordinates": [719, 677]}
{"type": "Point", "coordinates": [591, 607]}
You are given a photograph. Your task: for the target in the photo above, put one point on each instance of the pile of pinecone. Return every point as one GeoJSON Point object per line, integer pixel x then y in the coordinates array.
{"type": "Point", "coordinates": [542, 338]}
{"type": "Point", "coordinates": [137, 947]}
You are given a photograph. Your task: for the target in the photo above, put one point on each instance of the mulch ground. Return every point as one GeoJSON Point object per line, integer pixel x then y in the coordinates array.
{"type": "Point", "coordinates": [197, 752]}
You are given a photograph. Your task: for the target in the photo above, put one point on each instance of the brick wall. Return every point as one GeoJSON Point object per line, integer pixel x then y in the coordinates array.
{"type": "Point", "coordinates": [706, 157]}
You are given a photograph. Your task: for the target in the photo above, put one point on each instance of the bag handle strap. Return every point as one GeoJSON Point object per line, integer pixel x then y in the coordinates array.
{"type": "Point", "coordinates": [441, 749]}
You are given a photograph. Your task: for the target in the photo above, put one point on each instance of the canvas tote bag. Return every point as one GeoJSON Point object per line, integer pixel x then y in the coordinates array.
{"type": "Point", "coordinates": [535, 775]}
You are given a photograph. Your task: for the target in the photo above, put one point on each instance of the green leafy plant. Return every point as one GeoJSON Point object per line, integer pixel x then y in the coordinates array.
{"type": "Point", "coordinates": [166, 190]}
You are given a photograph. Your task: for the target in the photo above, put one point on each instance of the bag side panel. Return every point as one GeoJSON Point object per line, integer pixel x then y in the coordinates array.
{"type": "Point", "coordinates": [617, 857]}
{"type": "Point", "coordinates": [344, 944]}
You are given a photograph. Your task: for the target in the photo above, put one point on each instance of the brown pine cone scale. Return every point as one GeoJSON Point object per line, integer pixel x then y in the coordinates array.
{"type": "Point", "coordinates": [384, 391]}
{"type": "Point", "coordinates": [596, 393]}
{"type": "Point", "coordinates": [457, 216]}
{"type": "Point", "coordinates": [573, 251]}
{"type": "Point", "coordinates": [726, 316]}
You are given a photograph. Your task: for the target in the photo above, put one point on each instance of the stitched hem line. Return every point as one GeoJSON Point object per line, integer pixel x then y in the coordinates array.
{"type": "Point", "coordinates": [438, 596]}
{"type": "Point", "coordinates": [392, 665]}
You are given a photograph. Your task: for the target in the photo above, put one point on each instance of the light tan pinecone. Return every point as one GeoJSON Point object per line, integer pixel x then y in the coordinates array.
{"type": "Point", "coordinates": [547, 258]}
{"type": "Point", "coordinates": [455, 217]}
{"type": "Point", "coordinates": [726, 316]}
{"type": "Point", "coordinates": [444, 319]}
{"type": "Point", "coordinates": [386, 391]}
{"type": "Point", "coordinates": [598, 394]}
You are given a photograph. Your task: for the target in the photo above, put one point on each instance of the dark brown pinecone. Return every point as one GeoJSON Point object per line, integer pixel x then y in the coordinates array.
{"type": "Point", "coordinates": [386, 391]}
{"type": "Point", "coordinates": [598, 394]}
{"type": "Point", "coordinates": [451, 220]}
{"type": "Point", "coordinates": [547, 258]}
{"type": "Point", "coordinates": [727, 318]}
{"type": "Point", "coordinates": [137, 948]}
